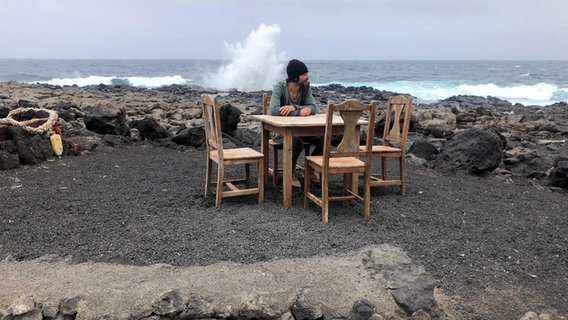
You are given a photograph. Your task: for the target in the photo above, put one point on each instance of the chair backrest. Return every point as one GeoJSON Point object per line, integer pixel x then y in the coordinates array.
{"type": "Point", "coordinates": [351, 111]}
{"type": "Point", "coordinates": [212, 124]}
{"type": "Point", "coordinates": [265, 103]}
{"type": "Point", "coordinates": [398, 106]}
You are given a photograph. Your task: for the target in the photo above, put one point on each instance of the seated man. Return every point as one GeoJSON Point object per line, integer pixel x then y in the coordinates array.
{"type": "Point", "coordinates": [293, 97]}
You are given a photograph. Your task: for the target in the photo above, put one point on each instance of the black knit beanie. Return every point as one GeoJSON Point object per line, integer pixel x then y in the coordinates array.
{"type": "Point", "coordinates": [295, 69]}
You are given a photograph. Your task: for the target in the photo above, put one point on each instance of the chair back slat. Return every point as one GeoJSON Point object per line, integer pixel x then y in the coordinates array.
{"type": "Point", "coordinates": [398, 110]}
{"type": "Point", "coordinates": [350, 142]}
{"type": "Point", "coordinates": [351, 111]}
{"type": "Point", "coordinates": [212, 124]}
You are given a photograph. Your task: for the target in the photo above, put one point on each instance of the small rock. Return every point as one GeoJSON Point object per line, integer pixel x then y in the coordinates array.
{"type": "Point", "coordinates": [170, 304]}
{"type": "Point", "coordinates": [68, 307]}
{"type": "Point", "coordinates": [530, 316]}
{"type": "Point", "coordinates": [303, 311]}
{"type": "Point", "coordinates": [24, 305]}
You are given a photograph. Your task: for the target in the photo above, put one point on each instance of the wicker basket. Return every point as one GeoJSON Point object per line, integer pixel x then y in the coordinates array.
{"type": "Point", "coordinates": [34, 125]}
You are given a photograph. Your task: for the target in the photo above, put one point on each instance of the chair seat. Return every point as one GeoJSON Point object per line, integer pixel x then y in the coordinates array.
{"type": "Point", "coordinates": [339, 163]}
{"type": "Point", "coordinates": [238, 154]}
{"type": "Point", "coordinates": [382, 149]}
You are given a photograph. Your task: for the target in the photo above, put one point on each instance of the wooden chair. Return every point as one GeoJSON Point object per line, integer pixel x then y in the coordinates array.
{"type": "Point", "coordinates": [394, 141]}
{"type": "Point", "coordinates": [228, 157]}
{"type": "Point", "coordinates": [277, 145]}
{"type": "Point", "coordinates": [345, 159]}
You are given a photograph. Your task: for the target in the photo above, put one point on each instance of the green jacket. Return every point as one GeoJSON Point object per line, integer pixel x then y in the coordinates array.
{"type": "Point", "coordinates": [281, 97]}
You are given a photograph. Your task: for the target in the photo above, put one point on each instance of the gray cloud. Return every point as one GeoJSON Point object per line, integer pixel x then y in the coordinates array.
{"type": "Point", "coordinates": [317, 29]}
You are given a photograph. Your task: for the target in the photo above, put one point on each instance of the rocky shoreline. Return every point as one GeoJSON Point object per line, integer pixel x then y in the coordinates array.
{"type": "Point", "coordinates": [106, 232]}
{"type": "Point", "coordinates": [467, 134]}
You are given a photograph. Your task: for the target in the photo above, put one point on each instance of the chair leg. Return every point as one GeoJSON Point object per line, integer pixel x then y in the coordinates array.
{"type": "Point", "coordinates": [208, 177]}
{"type": "Point", "coordinates": [261, 181]}
{"type": "Point", "coordinates": [219, 194]}
{"type": "Point", "coordinates": [403, 175]}
{"type": "Point", "coordinates": [347, 185]}
{"type": "Point", "coordinates": [274, 166]}
{"type": "Point", "coordinates": [384, 168]}
{"type": "Point", "coordinates": [367, 197]}
{"type": "Point", "coordinates": [247, 175]}
{"type": "Point", "coordinates": [308, 171]}
{"type": "Point", "coordinates": [324, 197]}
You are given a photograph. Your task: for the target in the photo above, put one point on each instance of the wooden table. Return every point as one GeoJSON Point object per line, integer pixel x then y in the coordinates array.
{"type": "Point", "coordinates": [289, 127]}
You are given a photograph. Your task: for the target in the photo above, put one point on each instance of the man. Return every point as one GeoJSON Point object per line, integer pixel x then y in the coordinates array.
{"type": "Point", "coordinates": [293, 97]}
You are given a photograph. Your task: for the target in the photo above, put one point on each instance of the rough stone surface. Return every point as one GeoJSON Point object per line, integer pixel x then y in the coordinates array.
{"type": "Point", "coordinates": [474, 150]}
{"type": "Point", "coordinates": [258, 290]}
{"type": "Point", "coordinates": [105, 118]}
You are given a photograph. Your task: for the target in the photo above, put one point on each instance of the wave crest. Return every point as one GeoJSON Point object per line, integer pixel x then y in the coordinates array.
{"type": "Point", "coordinates": [145, 82]}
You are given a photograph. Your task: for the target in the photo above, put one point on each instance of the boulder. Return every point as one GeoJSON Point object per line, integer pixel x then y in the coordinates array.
{"type": "Point", "coordinates": [418, 296]}
{"type": "Point", "coordinates": [190, 137]}
{"type": "Point", "coordinates": [474, 150]}
{"type": "Point", "coordinates": [197, 308]}
{"type": "Point", "coordinates": [424, 149]}
{"type": "Point", "coordinates": [68, 111]}
{"type": "Point", "coordinates": [31, 148]}
{"type": "Point", "coordinates": [8, 160]}
{"type": "Point", "coordinates": [4, 110]}
{"type": "Point", "coordinates": [247, 137]}
{"type": "Point", "coordinates": [170, 304]}
{"type": "Point", "coordinates": [437, 118]}
{"type": "Point", "coordinates": [380, 123]}
{"type": "Point", "coordinates": [230, 118]}
{"type": "Point", "coordinates": [558, 176]}
{"type": "Point", "coordinates": [105, 118]}
{"type": "Point", "coordinates": [150, 129]}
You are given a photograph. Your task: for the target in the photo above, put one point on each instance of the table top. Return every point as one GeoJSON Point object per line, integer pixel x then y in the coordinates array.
{"type": "Point", "coordinates": [301, 121]}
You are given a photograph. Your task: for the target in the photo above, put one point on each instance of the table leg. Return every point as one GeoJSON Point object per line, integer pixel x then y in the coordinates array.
{"type": "Point", "coordinates": [266, 151]}
{"type": "Point", "coordinates": [287, 169]}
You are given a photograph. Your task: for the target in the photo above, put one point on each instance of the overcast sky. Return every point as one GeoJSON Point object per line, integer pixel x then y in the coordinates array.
{"type": "Point", "coordinates": [309, 29]}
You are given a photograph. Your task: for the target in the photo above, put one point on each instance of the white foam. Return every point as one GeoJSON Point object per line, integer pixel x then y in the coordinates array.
{"type": "Point", "coordinates": [539, 94]}
{"type": "Point", "coordinates": [81, 81]}
{"type": "Point", "coordinates": [146, 82]}
{"type": "Point", "coordinates": [255, 65]}
{"type": "Point", "coordinates": [536, 94]}
{"type": "Point", "coordinates": [154, 82]}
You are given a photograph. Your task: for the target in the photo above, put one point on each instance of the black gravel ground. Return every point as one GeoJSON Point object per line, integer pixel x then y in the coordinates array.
{"type": "Point", "coordinates": [498, 247]}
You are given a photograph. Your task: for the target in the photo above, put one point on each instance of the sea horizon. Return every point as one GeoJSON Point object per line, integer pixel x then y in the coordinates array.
{"type": "Point", "coordinates": [529, 82]}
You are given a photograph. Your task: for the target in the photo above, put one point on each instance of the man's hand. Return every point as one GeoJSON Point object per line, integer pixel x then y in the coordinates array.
{"type": "Point", "coordinates": [305, 111]}
{"type": "Point", "coordinates": [286, 110]}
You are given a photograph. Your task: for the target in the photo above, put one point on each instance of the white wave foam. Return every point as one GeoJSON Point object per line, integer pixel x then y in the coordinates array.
{"type": "Point", "coordinates": [256, 65]}
{"type": "Point", "coordinates": [81, 82]}
{"type": "Point", "coordinates": [147, 82]}
{"type": "Point", "coordinates": [154, 82]}
{"type": "Point", "coordinates": [537, 94]}
{"type": "Point", "coordinates": [428, 91]}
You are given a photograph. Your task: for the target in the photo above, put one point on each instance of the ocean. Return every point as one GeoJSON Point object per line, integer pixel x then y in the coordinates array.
{"type": "Point", "coordinates": [526, 82]}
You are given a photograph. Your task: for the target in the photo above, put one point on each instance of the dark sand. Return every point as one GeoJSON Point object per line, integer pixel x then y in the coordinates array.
{"type": "Point", "coordinates": [498, 248]}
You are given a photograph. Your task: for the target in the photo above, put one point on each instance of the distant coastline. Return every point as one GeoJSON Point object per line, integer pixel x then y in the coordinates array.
{"type": "Point", "coordinates": [542, 82]}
